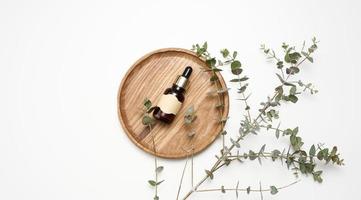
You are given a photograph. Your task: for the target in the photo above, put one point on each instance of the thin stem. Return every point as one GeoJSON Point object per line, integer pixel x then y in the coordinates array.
{"type": "Point", "coordinates": [220, 166]}
{"type": "Point", "coordinates": [245, 189]}
{"type": "Point", "coordinates": [192, 168]}
{"type": "Point", "coordinates": [155, 163]}
{"type": "Point", "coordinates": [283, 74]}
{"type": "Point", "coordinates": [181, 180]}
{"type": "Point", "coordinates": [273, 128]}
{"type": "Point", "coordinates": [260, 190]}
{"type": "Point", "coordinates": [245, 100]}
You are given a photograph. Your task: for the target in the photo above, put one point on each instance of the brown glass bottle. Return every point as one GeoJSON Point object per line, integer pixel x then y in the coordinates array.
{"type": "Point", "coordinates": [172, 98]}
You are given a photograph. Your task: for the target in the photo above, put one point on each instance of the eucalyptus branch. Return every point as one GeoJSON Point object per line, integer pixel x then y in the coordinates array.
{"type": "Point", "coordinates": [293, 58]}
{"type": "Point", "coordinates": [157, 169]}
{"type": "Point", "coordinates": [201, 51]}
{"type": "Point", "coordinates": [149, 122]}
{"type": "Point", "coordinates": [296, 157]}
{"type": "Point", "coordinates": [272, 55]}
{"type": "Point", "coordinates": [272, 189]}
{"type": "Point", "coordinates": [237, 70]}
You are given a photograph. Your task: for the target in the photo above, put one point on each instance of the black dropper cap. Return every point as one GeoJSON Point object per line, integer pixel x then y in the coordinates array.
{"type": "Point", "coordinates": [182, 79]}
{"type": "Point", "coordinates": [187, 72]}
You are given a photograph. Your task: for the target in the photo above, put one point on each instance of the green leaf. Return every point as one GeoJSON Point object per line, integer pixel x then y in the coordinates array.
{"type": "Point", "coordinates": [279, 64]}
{"type": "Point", "coordinates": [147, 103]}
{"type": "Point", "coordinates": [296, 142]}
{"type": "Point", "coordinates": [215, 69]}
{"type": "Point", "coordinates": [287, 58]}
{"type": "Point", "coordinates": [190, 110]}
{"type": "Point", "coordinates": [275, 154]}
{"type": "Point", "coordinates": [235, 64]}
{"type": "Point", "coordinates": [274, 190]}
{"type": "Point", "coordinates": [224, 53]}
{"type": "Point", "coordinates": [211, 62]}
{"type": "Point", "coordinates": [292, 57]}
{"type": "Point", "coordinates": [237, 189]}
{"type": "Point", "coordinates": [248, 189]}
{"type": "Point", "coordinates": [323, 154]}
{"type": "Point", "coordinates": [333, 151]}
{"type": "Point", "coordinates": [242, 89]}
{"type": "Point", "coordinates": [312, 152]}
{"type": "Point", "coordinates": [288, 84]}
{"type": "Point", "coordinates": [305, 54]}
{"type": "Point", "coordinates": [317, 176]}
{"type": "Point", "coordinates": [159, 169]}
{"type": "Point", "coordinates": [220, 91]}
{"type": "Point", "coordinates": [236, 71]}
{"type": "Point", "coordinates": [205, 45]}
{"type": "Point", "coordinates": [293, 90]}
{"type": "Point", "coordinates": [293, 98]}
{"type": "Point", "coordinates": [310, 59]}
{"type": "Point", "coordinates": [239, 79]}
{"type": "Point", "coordinates": [213, 78]}
{"type": "Point", "coordinates": [222, 189]}
{"type": "Point", "coordinates": [293, 140]}
{"type": "Point", "coordinates": [295, 131]}
{"type": "Point", "coordinates": [236, 67]}
{"type": "Point", "coordinates": [272, 114]}
{"type": "Point", "coordinates": [320, 155]}
{"type": "Point", "coordinates": [190, 115]}
{"type": "Point", "coordinates": [209, 173]}
{"type": "Point", "coordinates": [234, 54]}
{"type": "Point", "coordinates": [279, 90]}
{"type": "Point", "coordinates": [160, 182]}
{"type": "Point", "coordinates": [235, 143]}
{"type": "Point", "coordinates": [152, 183]}
{"type": "Point", "coordinates": [292, 70]}
{"type": "Point", "coordinates": [277, 132]}
{"type": "Point", "coordinates": [279, 77]}
{"type": "Point", "coordinates": [252, 155]}
{"type": "Point", "coordinates": [287, 132]}
{"type": "Point", "coordinates": [147, 120]}
{"type": "Point", "coordinates": [261, 151]}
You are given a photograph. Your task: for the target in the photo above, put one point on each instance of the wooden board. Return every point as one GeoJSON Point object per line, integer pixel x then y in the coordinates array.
{"type": "Point", "coordinates": [149, 77]}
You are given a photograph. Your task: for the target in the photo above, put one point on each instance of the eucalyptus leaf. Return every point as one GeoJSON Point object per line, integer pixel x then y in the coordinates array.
{"type": "Point", "coordinates": [239, 79]}
{"type": "Point", "coordinates": [209, 173]}
{"type": "Point", "coordinates": [273, 190]}
{"type": "Point", "coordinates": [225, 53]}
{"type": "Point", "coordinates": [235, 64]}
{"type": "Point", "coordinates": [147, 120]}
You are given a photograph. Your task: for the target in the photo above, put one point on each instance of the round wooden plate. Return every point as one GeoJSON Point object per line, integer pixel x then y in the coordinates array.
{"type": "Point", "coordinates": [149, 77]}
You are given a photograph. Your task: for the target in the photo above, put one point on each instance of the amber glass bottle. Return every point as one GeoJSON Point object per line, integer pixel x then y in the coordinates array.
{"type": "Point", "coordinates": [172, 98]}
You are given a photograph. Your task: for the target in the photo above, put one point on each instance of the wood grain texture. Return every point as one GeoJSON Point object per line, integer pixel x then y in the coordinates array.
{"type": "Point", "coordinates": [149, 77]}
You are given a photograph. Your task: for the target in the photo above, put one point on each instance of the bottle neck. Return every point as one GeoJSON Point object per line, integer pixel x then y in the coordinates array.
{"type": "Point", "coordinates": [181, 81]}
{"type": "Point", "coordinates": [177, 88]}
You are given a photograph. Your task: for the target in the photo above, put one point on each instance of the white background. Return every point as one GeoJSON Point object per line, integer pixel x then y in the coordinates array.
{"type": "Point", "coordinates": [61, 63]}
